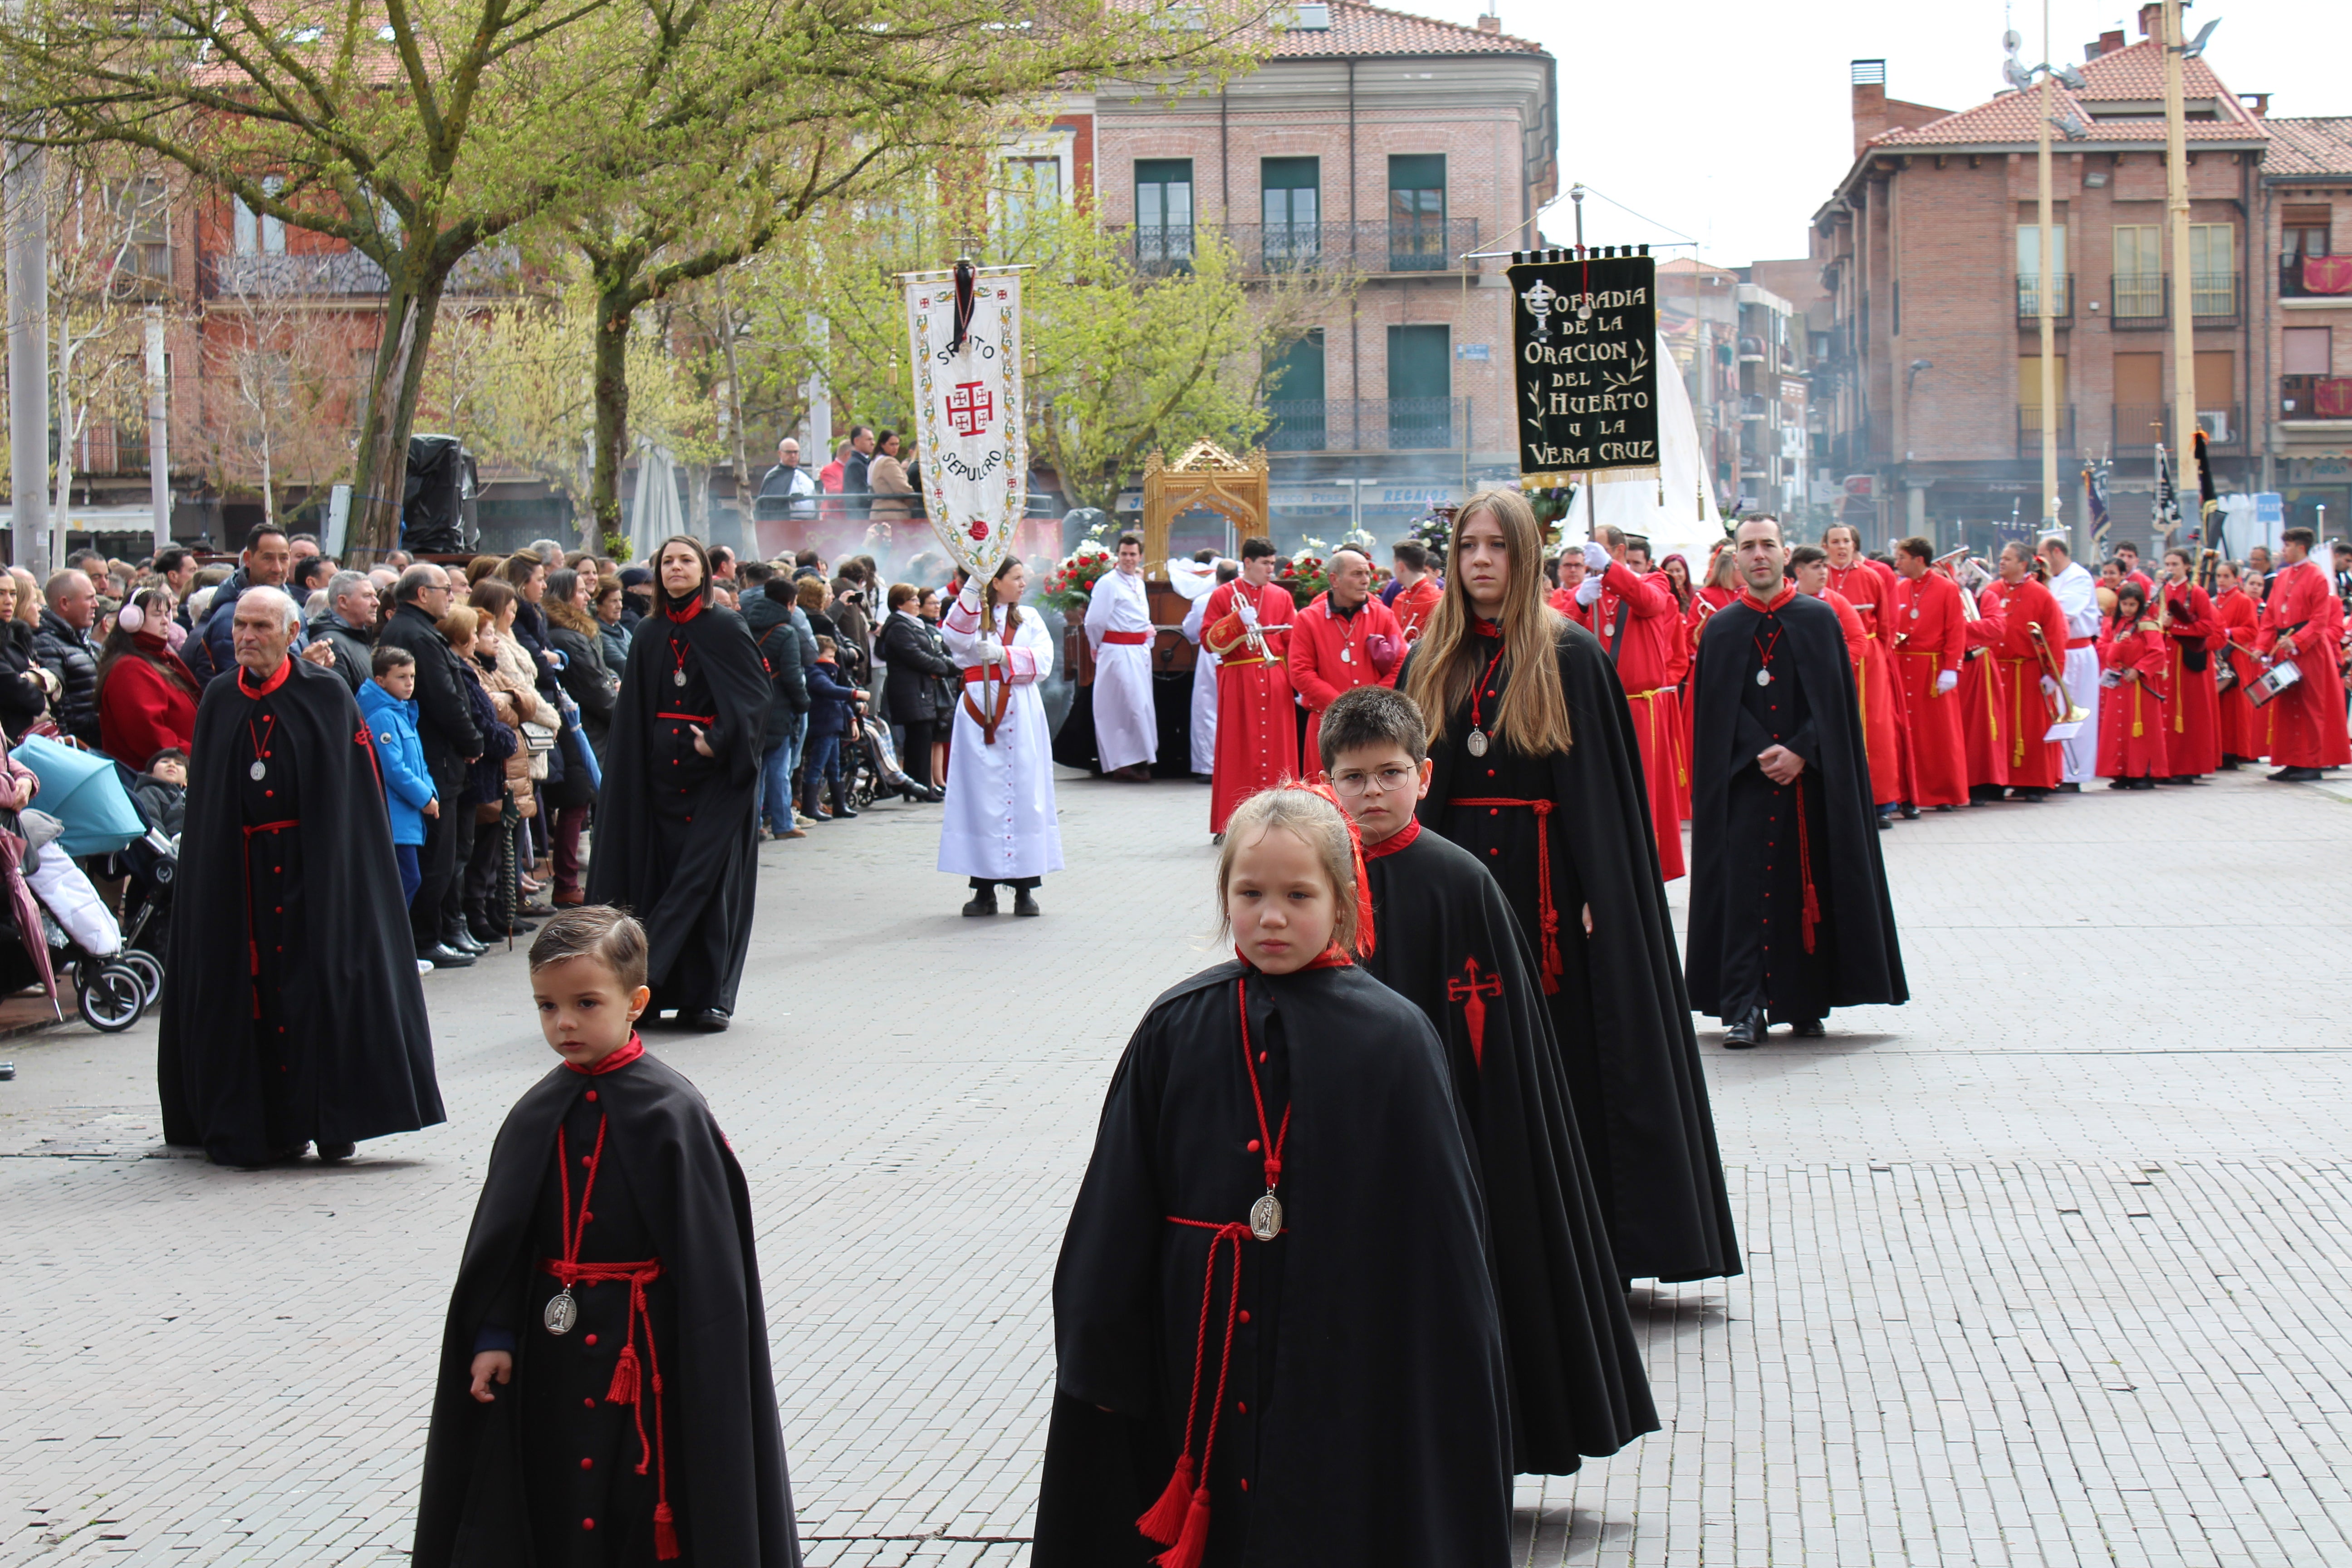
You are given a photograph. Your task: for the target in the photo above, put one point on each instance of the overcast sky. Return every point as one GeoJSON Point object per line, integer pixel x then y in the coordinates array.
{"type": "Point", "coordinates": [1729, 123]}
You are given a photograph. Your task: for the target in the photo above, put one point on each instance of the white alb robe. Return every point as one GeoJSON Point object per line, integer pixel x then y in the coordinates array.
{"type": "Point", "coordinates": [1126, 732]}
{"type": "Point", "coordinates": [1204, 693]}
{"type": "Point", "coordinates": [1000, 821]}
{"type": "Point", "coordinates": [2077, 593]}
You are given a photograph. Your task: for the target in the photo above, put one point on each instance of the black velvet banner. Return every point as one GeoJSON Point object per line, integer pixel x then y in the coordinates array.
{"type": "Point", "coordinates": [1584, 349]}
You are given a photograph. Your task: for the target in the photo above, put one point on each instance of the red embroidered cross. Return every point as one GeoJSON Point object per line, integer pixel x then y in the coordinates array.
{"type": "Point", "coordinates": [969, 409]}
{"type": "Point", "coordinates": [1472, 994]}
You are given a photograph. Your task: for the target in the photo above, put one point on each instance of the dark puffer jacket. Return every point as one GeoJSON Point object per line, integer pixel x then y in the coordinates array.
{"type": "Point", "coordinates": [73, 657]}
{"type": "Point", "coordinates": [770, 623]}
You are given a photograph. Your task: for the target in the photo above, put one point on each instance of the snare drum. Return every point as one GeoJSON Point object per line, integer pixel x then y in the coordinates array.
{"type": "Point", "coordinates": [2275, 679]}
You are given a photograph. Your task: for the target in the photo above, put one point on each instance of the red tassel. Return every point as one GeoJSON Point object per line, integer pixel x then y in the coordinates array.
{"type": "Point", "coordinates": [665, 1533]}
{"type": "Point", "coordinates": [1165, 1520]}
{"type": "Point", "coordinates": [1194, 1545]}
{"type": "Point", "coordinates": [624, 1378]}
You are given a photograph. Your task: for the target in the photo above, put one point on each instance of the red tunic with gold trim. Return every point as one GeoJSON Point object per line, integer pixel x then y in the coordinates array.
{"type": "Point", "coordinates": [2026, 717]}
{"type": "Point", "coordinates": [1257, 738]}
{"type": "Point", "coordinates": [1882, 719]}
{"type": "Point", "coordinates": [2132, 713]}
{"type": "Point", "coordinates": [2307, 719]}
{"type": "Point", "coordinates": [1984, 696]}
{"type": "Point", "coordinates": [1330, 653]}
{"type": "Point", "coordinates": [2245, 728]}
{"type": "Point", "coordinates": [1638, 621]}
{"type": "Point", "coordinates": [2192, 738]}
{"type": "Point", "coordinates": [1930, 630]}
{"type": "Point", "coordinates": [1414, 606]}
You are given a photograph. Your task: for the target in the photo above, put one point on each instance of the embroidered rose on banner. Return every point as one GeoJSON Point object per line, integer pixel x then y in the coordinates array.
{"type": "Point", "coordinates": [971, 426]}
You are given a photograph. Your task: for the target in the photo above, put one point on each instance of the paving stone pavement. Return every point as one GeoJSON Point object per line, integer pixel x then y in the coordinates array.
{"type": "Point", "coordinates": [2050, 1266]}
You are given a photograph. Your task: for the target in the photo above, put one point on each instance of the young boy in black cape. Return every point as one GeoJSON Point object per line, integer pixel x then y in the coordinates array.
{"type": "Point", "coordinates": [605, 1395]}
{"type": "Point", "coordinates": [1275, 1333]}
{"type": "Point", "coordinates": [1445, 940]}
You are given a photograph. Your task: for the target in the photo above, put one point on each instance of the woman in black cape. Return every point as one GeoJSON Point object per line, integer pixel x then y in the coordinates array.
{"type": "Point", "coordinates": [1537, 773]}
{"type": "Point", "coordinates": [675, 822]}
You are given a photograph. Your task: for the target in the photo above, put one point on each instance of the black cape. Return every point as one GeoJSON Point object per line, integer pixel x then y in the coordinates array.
{"type": "Point", "coordinates": [1628, 1051]}
{"type": "Point", "coordinates": [1365, 1412]}
{"type": "Point", "coordinates": [725, 1439]}
{"type": "Point", "coordinates": [1448, 943]}
{"type": "Point", "coordinates": [1746, 890]}
{"type": "Point", "coordinates": [358, 1048]}
{"type": "Point", "coordinates": [677, 832]}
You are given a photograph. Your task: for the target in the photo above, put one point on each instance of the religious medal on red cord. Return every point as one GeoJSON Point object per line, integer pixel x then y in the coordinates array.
{"type": "Point", "coordinates": [1477, 741]}
{"type": "Point", "coordinates": [1764, 652]}
{"type": "Point", "coordinates": [562, 1311]}
{"type": "Point", "coordinates": [260, 769]}
{"type": "Point", "coordinates": [1265, 1215]}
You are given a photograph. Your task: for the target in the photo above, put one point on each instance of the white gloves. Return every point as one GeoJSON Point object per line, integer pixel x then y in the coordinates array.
{"type": "Point", "coordinates": [1946, 680]}
{"type": "Point", "coordinates": [1247, 612]}
{"type": "Point", "coordinates": [991, 652]}
{"type": "Point", "coordinates": [1596, 556]}
{"type": "Point", "coordinates": [2049, 686]}
{"type": "Point", "coordinates": [1589, 589]}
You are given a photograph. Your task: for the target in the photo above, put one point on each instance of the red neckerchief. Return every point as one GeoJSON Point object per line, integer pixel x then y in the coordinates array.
{"type": "Point", "coordinates": [268, 685]}
{"type": "Point", "coordinates": [1332, 957]}
{"type": "Point", "coordinates": [614, 1063]}
{"type": "Point", "coordinates": [1788, 592]}
{"type": "Point", "coordinates": [682, 616]}
{"type": "Point", "coordinates": [1400, 839]}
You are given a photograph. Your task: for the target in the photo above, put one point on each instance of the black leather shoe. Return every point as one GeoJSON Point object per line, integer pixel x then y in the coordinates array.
{"type": "Point", "coordinates": [335, 1153]}
{"type": "Point", "coordinates": [982, 902]}
{"type": "Point", "coordinates": [1023, 904]}
{"type": "Point", "coordinates": [455, 935]}
{"type": "Point", "coordinates": [2295, 775]}
{"type": "Point", "coordinates": [1747, 1033]}
{"type": "Point", "coordinates": [709, 1020]}
{"type": "Point", "coordinates": [1910, 812]}
{"type": "Point", "coordinates": [446, 957]}
{"type": "Point", "coordinates": [1808, 1028]}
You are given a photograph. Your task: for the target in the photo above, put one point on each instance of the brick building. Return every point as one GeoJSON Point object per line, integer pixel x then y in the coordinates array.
{"type": "Point", "coordinates": [1929, 253]}
{"type": "Point", "coordinates": [1389, 145]}
{"type": "Point", "coordinates": [2307, 194]}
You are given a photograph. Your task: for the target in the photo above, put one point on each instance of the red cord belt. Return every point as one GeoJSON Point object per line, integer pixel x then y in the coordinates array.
{"type": "Point", "coordinates": [691, 717]}
{"type": "Point", "coordinates": [628, 1387]}
{"type": "Point", "coordinates": [1552, 968]}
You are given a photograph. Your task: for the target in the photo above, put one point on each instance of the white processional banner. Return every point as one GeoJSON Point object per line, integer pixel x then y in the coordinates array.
{"type": "Point", "coordinates": [970, 433]}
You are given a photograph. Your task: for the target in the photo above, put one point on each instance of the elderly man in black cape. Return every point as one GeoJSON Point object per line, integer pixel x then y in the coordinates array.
{"type": "Point", "coordinates": [676, 826]}
{"type": "Point", "coordinates": [1788, 910]}
{"type": "Point", "coordinates": [1537, 773]}
{"type": "Point", "coordinates": [1446, 940]}
{"type": "Point", "coordinates": [293, 1013]}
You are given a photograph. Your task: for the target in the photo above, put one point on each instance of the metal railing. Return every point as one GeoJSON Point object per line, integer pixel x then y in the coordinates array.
{"type": "Point", "coordinates": [2028, 299]}
{"type": "Point", "coordinates": [2142, 301]}
{"type": "Point", "coordinates": [2139, 426]}
{"type": "Point", "coordinates": [2214, 296]}
{"type": "Point", "coordinates": [340, 274]}
{"type": "Point", "coordinates": [2292, 285]}
{"type": "Point", "coordinates": [2028, 431]}
{"type": "Point", "coordinates": [1373, 244]}
{"type": "Point", "coordinates": [2136, 300]}
{"type": "Point", "coordinates": [1368, 424]}
{"type": "Point", "coordinates": [2315, 397]}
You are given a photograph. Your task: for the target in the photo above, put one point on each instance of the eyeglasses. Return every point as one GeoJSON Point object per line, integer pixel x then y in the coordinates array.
{"type": "Point", "coordinates": [1381, 783]}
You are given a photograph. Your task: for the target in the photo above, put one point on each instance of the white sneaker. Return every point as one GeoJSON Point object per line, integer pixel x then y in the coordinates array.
{"type": "Point", "coordinates": [424, 966]}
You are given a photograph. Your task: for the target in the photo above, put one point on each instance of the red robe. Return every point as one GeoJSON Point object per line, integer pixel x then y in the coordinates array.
{"type": "Point", "coordinates": [2132, 715]}
{"type": "Point", "coordinates": [1652, 623]}
{"type": "Point", "coordinates": [2245, 728]}
{"type": "Point", "coordinates": [1882, 720]}
{"type": "Point", "coordinates": [2033, 763]}
{"type": "Point", "coordinates": [2307, 719]}
{"type": "Point", "coordinates": [1984, 696]}
{"type": "Point", "coordinates": [1329, 654]}
{"type": "Point", "coordinates": [1930, 631]}
{"type": "Point", "coordinates": [2192, 739]}
{"type": "Point", "coordinates": [1412, 606]}
{"type": "Point", "coordinates": [1257, 739]}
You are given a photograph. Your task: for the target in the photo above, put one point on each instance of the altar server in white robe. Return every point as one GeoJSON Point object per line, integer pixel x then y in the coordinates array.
{"type": "Point", "coordinates": [2078, 599]}
{"type": "Point", "coordinates": [1118, 630]}
{"type": "Point", "coordinates": [1196, 580]}
{"type": "Point", "coordinates": [999, 824]}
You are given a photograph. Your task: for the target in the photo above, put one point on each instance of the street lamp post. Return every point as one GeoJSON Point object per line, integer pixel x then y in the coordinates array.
{"type": "Point", "coordinates": [2047, 282]}
{"type": "Point", "coordinates": [2176, 204]}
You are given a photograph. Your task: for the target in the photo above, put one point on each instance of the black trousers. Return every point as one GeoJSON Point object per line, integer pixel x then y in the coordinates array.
{"type": "Point", "coordinates": [437, 861]}
{"type": "Point", "coordinates": [915, 757]}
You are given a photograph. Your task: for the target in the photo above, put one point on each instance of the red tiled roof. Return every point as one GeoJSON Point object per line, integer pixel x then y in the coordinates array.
{"type": "Point", "coordinates": [2135, 74]}
{"type": "Point", "coordinates": [1358, 30]}
{"type": "Point", "coordinates": [2300, 149]}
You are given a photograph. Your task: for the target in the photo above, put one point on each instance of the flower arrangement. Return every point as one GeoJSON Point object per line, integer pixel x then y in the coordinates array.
{"type": "Point", "coordinates": [1434, 530]}
{"type": "Point", "coordinates": [1308, 573]}
{"type": "Point", "coordinates": [1070, 585]}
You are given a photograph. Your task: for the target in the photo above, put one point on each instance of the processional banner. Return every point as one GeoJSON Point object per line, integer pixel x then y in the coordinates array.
{"type": "Point", "coordinates": [1584, 348]}
{"type": "Point", "coordinates": [964, 338]}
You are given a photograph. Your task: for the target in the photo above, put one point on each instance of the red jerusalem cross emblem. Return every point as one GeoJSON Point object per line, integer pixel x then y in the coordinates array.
{"type": "Point", "coordinates": [969, 409]}
{"type": "Point", "coordinates": [1472, 992]}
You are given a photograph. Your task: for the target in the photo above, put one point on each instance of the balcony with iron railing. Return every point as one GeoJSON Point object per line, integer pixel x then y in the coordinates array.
{"type": "Point", "coordinates": [2028, 431]}
{"type": "Point", "coordinates": [2028, 301]}
{"type": "Point", "coordinates": [2307, 397]}
{"type": "Point", "coordinates": [1372, 246]}
{"type": "Point", "coordinates": [2142, 301]}
{"type": "Point", "coordinates": [1368, 424]}
{"type": "Point", "coordinates": [2315, 278]}
{"type": "Point", "coordinates": [2139, 426]}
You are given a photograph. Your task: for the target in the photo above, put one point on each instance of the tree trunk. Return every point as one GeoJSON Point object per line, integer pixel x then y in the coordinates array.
{"type": "Point", "coordinates": [380, 483]}
{"type": "Point", "coordinates": [616, 305]}
{"type": "Point", "coordinates": [269, 480]}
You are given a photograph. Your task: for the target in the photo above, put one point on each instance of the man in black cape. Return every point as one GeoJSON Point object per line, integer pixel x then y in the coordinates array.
{"type": "Point", "coordinates": [676, 826]}
{"type": "Point", "coordinates": [1788, 910]}
{"type": "Point", "coordinates": [505, 1481]}
{"type": "Point", "coordinates": [1619, 1013]}
{"type": "Point", "coordinates": [1362, 1417]}
{"type": "Point", "coordinates": [293, 1013]}
{"type": "Point", "coordinates": [1446, 941]}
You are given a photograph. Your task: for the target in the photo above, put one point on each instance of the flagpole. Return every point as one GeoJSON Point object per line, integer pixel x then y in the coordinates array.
{"type": "Point", "coordinates": [2176, 202]}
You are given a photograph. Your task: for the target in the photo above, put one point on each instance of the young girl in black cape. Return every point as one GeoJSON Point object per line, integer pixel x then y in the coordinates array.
{"type": "Point", "coordinates": [1276, 1337]}
{"type": "Point", "coordinates": [605, 1395]}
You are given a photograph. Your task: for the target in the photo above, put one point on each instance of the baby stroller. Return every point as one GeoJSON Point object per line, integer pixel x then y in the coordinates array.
{"type": "Point", "coordinates": [61, 925]}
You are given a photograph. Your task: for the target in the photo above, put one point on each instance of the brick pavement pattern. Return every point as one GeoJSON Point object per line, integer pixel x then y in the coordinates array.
{"type": "Point", "coordinates": [2050, 1266]}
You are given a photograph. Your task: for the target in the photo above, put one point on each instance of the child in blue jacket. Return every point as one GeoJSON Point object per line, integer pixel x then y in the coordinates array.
{"type": "Point", "coordinates": [833, 713]}
{"type": "Point", "coordinates": [386, 703]}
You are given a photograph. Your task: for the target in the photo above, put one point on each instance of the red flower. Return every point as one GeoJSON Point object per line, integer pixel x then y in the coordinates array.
{"type": "Point", "coordinates": [978, 529]}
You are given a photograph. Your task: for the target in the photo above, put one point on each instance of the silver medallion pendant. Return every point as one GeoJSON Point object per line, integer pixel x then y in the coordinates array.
{"type": "Point", "coordinates": [1915, 615]}
{"type": "Point", "coordinates": [1763, 677]}
{"type": "Point", "coordinates": [562, 1312]}
{"type": "Point", "coordinates": [1478, 742]}
{"type": "Point", "coordinates": [678, 678]}
{"type": "Point", "coordinates": [1347, 656]}
{"type": "Point", "coordinates": [259, 770]}
{"type": "Point", "coordinates": [1266, 1217]}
